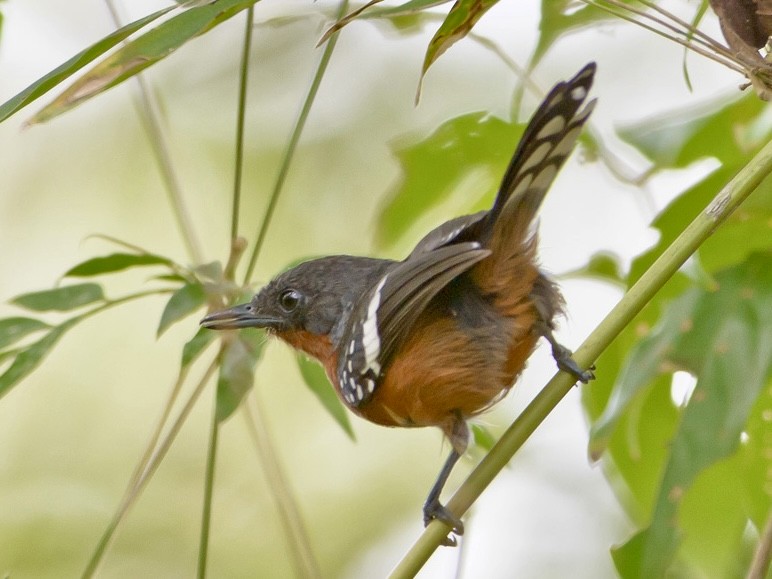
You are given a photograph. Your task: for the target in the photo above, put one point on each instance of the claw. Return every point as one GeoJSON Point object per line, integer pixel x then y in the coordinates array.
{"type": "Point", "coordinates": [566, 363]}
{"type": "Point", "coordinates": [435, 510]}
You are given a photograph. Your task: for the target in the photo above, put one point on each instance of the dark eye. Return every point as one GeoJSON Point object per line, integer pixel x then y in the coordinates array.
{"type": "Point", "coordinates": [289, 299]}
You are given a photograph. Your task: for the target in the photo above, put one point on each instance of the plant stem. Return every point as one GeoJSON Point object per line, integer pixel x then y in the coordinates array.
{"type": "Point", "coordinates": [206, 516]}
{"type": "Point", "coordinates": [137, 486]}
{"type": "Point", "coordinates": [306, 565]}
{"type": "Point", "coordinates": [289, 153]}
{"type": "Point", "coordinates": [149, 112]}
{"type": "Point", "coordinates": [761, 558]}
{"type": "Point", "coordinates": [726, 201]}
{"type": "Point", "coordinates": [242, 107]}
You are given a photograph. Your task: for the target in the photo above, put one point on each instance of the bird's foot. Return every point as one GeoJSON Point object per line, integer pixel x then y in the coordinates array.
{"type": "Point", "coordinates": [566, 363]}
{"type": "Point", "coordinates": [435, 510]}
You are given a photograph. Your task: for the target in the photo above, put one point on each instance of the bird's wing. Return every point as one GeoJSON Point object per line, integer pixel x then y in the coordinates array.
{"type": "Point", "coordinates": [384, 317]}
{"type": "Point", "coordinates": [447, 232]}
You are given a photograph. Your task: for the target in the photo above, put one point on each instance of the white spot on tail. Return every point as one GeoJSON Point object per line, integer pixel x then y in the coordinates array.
{"type": "Point", "coordinates": [567, 143]}
{"type": "Point", "coordinates": [536, 157]}
{"type": "Point", "coordinates": [371, 340]}
{"type": "Point", "coordinates": [578, 93]}
{"type": "Point", "coordinates": [544, 179]}
{"type": "Point", "coordinates": [553, 127]}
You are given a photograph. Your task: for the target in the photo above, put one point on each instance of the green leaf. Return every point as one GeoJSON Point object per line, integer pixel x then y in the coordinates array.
{"type": "Point", "coordinates": [474, 145]}
{"type": "Point", "coordinates": [14, 329]}
{"type": "Point", "coordinates": [197, 344]}
{"type": "Point", "coordinates": [725, 339]}
{"type": "Point", "coordinates": [237, 371]}
{"type": "Point", "coordinates": [732, 134]}
{"type": "Point", "coordinates": [458, 23]}
{"type": "Point", "coordinates": [182, 303]}
{"type": "Point", "coordinates": [113, 263]}
{"type": "Point", "coordinates": [60, 73]}
{"type": "Point", "coordinates": [317, 381]}
{"type": "Point", "coordinates": [482, 437]}
{"type": "Point", "coordinates": [143, 52]}
{"type": "Point", "coordinates": [29, 358]}
{"type": "Point", "coordinates": [727, 132]}
{"type": "Point", "coordinates": [561, 17]}
{"type": "Point", "coordinates": [604, 266]}
{"type": "Point", "coordinates": [61, 299]}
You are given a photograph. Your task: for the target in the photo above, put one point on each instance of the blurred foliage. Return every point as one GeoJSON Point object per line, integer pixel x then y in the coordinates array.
{"type": "Point", "coordinates": [693, 475]}
{"type": "Point", "coordinates": [715, 326]}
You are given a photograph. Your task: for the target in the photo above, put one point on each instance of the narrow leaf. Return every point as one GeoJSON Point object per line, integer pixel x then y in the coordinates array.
{"type": "Point", "coordinates": [459, 22]}
{"type": "Point", "coordinates": [237, 372]}
{"type": "Point", "coordinates": [14, 329]}
{"type": "Point", "coordinates": [61, 299]}
{"type": "Point", "coordinates": [141, 53]}
{"type": "Point", "coordinates": [113, 263]}
{"type": "Point", "coordinates": [724, 338]}
{"type": "Point", "coordinates": [197, 344]}
{"type": "Point", "coordinates": [60, 73]}
{"type": "Point", "coordinates": [562, 17]}
{"type": "Point", "coordinates": [29, 359]}
{"type": "Point", "coordinates": [183, 302]}
{"type": "Point", "coordinates": [316, 380]}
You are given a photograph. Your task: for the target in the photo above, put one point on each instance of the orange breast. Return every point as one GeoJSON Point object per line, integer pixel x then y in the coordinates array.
{"type": "Point", "coordinates": [443, 371]}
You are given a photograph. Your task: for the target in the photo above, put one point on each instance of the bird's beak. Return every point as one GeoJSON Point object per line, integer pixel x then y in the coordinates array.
{"type": "Point", "coordinates": [241, 316]}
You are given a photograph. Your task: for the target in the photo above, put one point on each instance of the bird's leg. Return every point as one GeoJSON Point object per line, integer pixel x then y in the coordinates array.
{"type": "Point", "coordinates": [561, 354]}
{"type": "Point", "coordinates": [565, 361]}
{"type": "Point", "coordinates": [458, 433]}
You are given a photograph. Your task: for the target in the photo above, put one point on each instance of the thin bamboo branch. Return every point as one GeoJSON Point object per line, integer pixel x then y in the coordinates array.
{"type": "Point", "coordinates": [149, 112]}
{"type": "Point", "coordinates": [763, 555]}
{"type": "Point", "coordinates": [206, 515]}
{"type": "Point", "coordinates": [289, 153]}
{"type": "Point", "coordinates": [726, 201]}
{"type": "Point", "coordinates": [305, 562]}
{"type": "Point", "coordinates": [241, 114]}
{"type": "Point", "coordinates": [134, 490]}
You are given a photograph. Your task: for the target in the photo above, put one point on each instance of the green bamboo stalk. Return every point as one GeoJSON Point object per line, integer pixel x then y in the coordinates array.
{"type": "Point", "coordinates": [242, 107]}
{"type": "Point", "coordinates": [289, 153]}
{"type": "Point", "coordinates": [303, 558]}
{"type": "Point", "coordinates": [724, 203]}
{"type": "Point", "coordinates": [138, 485]}
{"type": "Point", "coordinates": [206, 516]}
{"type": "Point", "coordinates": [150, 115]}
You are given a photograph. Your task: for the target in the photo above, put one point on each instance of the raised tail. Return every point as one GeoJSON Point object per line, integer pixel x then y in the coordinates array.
{"type": "Point", "coordinates": [510, 272]}
{"type": "Point", "coordinates": [547, 142]}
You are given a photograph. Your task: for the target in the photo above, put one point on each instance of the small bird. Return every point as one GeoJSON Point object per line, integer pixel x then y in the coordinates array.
{"type": "Point", "coordinates": [442, 335]}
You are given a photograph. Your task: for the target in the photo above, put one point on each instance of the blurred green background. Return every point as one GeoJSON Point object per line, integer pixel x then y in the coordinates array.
{"type": "Point", "coordinates": [71, 433]}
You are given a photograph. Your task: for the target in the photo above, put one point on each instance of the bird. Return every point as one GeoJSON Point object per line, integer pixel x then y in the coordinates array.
{"type": "Point", "coordinates": [441, 336]}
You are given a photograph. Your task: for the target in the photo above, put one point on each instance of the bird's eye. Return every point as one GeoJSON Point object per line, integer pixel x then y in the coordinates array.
{"type": "Point", "coordinates": [289, 299]}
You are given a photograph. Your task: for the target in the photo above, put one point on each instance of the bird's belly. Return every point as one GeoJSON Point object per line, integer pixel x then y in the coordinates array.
{"type": "Point", "coordinates": [443, 371]}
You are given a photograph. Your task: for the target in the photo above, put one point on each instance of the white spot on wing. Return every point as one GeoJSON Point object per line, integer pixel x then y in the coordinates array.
{"type": "Point", "coordinates": [371, 340]}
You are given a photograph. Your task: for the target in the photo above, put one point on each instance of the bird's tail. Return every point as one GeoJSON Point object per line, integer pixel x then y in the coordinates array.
{"type": "Point", "coordinates": [547, 142]}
